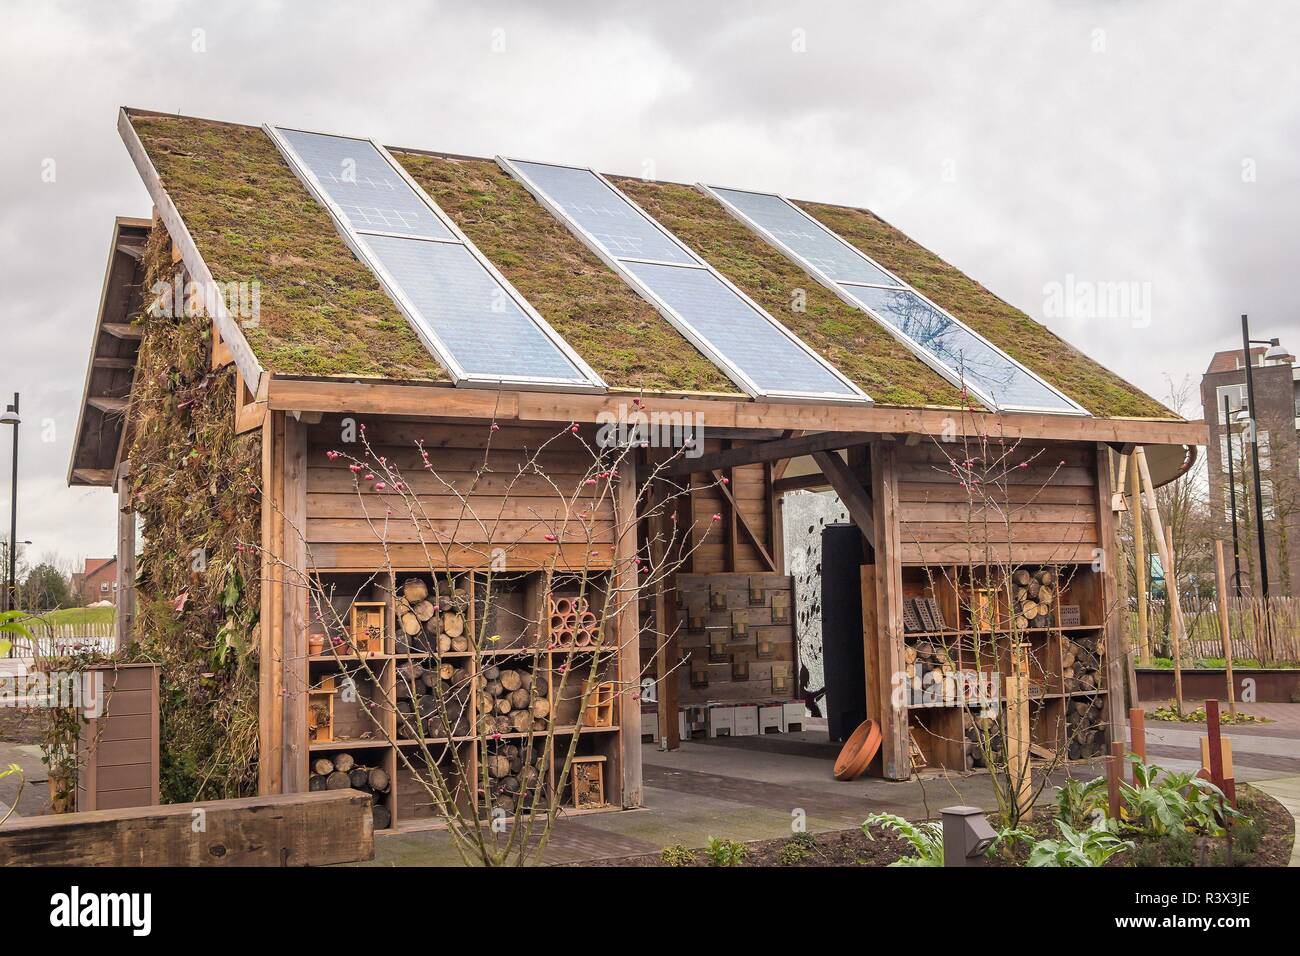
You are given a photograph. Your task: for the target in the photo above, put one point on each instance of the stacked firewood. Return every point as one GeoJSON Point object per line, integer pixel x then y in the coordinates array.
{"type": "Point", "coordinates": [343, 772]}
{"type": "Point", "coordinates": [573, 623]}
{"type": "Point", "coordinates": [514, 769]}
{"type": "Point", "coordinates": [1085, 730]}
{"type": "Point", "coordinates": [923, 658]}
{"type": "Point", "coordinates": [1081, 659]}
{"type": "Point", "coordinates": [511, 700]}
{"type": "Point", "coordinates": [982, 733]}
{"type": "Point", "coordinates": [426, 626]}
{"type": "Point", "coordinates": [427, 692]}
{"type": "Point", "coordinates": [1034, 596]}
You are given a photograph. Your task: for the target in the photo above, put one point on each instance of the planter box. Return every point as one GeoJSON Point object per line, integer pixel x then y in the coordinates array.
{"type": "Point", "coordinates": [1271, 685]}
{"type": "Point", "coordinates": [117, 754]}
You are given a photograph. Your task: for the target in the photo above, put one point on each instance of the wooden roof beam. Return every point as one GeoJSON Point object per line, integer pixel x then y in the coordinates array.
{"type": "Point", "coordinates": [123, 330]}
{"type": "Point", "coordinates": [846, 484]}
{"type": "Point", "coordinates": [768, 451]}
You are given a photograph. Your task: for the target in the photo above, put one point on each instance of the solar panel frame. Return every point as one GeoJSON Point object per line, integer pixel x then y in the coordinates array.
{"type": "Point", "coordinates": [733, 371]}
{"type": "Point", "coordinates": [587, 379]}
{"type": "Point", "coordinates": [924, 354]}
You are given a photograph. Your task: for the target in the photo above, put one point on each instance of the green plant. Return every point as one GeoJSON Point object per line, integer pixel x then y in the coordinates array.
{"type": "Point", "coordinates": [677, 855]}
{"type": "Point", "coordinates": [926, 838]}
{"type": "Point", "coordinates": [1161, 801]}
{"type": "Point", "coordinates": [724, 852]}
{"type": "Point", "coordinates": [11, 623]}
{"type": "Point", "coordinates": [1078, 803]}
{"type": "Point", "coordinates": [797, 849]}
{"type": "Point", "coordinates": [9, 771]}
{"type": "Point", "coordinates": [1091, 847]}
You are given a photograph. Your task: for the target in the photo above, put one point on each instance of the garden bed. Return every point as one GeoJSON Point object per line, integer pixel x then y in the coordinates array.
{"type": "Point", "coordinates": [1268, 845]}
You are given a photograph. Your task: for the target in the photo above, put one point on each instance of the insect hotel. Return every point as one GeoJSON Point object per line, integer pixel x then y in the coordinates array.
{"type": "Point", "coordinates": [385, 386]}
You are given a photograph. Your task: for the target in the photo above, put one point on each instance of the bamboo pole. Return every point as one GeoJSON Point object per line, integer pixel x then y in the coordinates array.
{"type": "Point", "coordinates": [1221, 580]}
{"type": "Point", "coordinates": [1140, 563]}
{"type": "Point", "coordinates": [1175, 619]}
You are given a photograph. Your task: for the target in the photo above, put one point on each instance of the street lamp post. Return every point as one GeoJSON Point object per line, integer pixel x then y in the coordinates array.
{"type": "Point", "coordinates": [1275, 348]}
{"type": "Point", "coordinates": [10, 417]}
{"type": "Point", "coordinates": [1232, 496]}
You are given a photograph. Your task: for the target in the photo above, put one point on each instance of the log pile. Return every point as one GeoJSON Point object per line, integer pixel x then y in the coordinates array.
{"type": "Point", "coordinates": [428, 626]}
{"type": "Point", "coordinates": [988, 730]}
{"type": "Point", "coordinates": [924, 659]}
{"type": "Point", "coordinates": [426, 692]}
{"type": "Point", "coordinates": [1081, 661]}
{"type": "Point", "coordinates": [342, 772]}
{"type": "Point", "coordinates": [573, 623]}
{"type": "Point", "coordinates": [1035, 595]}
{"type": "Point", "coordinates": [1085, 730]}
{"type": "Point", "coordinates": [513, 770]}
{"type": "Point", "coordinates": [511, 700]}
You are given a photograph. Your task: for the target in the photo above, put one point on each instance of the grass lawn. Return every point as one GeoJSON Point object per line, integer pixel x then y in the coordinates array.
{"type": "Point", "coordinates": [79, 615]}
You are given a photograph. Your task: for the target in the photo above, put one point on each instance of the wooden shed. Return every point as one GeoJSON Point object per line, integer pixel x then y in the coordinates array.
{"type": "Point", "coordinates": [493, 314]}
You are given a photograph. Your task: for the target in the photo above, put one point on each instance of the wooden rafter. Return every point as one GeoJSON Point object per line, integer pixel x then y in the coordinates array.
{"type": "Point", "coordinates": [740, 522]}
{"type": "Point", "coordinates": [768, 451]}
{"type": "Point", "coordinates": [846, 484]}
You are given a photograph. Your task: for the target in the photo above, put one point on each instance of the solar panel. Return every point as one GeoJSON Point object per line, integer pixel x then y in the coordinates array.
{"type": "Point", "coordinates": [756, 351]}
{"type": "Point", "coordinates": [468, 315]}
{"type": "Point", "coordinates": [945, 343]}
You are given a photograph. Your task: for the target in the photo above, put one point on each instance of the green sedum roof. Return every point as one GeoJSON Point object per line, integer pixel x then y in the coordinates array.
{"type": "Point", "coordinates": [323, 313]}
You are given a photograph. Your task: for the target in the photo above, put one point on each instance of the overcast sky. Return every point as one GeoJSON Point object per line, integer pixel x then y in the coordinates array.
{"type": "Point", "coordinates": [1041, 147]}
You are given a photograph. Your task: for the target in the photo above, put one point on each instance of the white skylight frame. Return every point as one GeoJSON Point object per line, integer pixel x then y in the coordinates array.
{"type": "Point", "coordinates": [676, 319]}
{"type": "Point", "coordinates": [590, 380]}
{"type": "Point", "coordinates": [921, 352]}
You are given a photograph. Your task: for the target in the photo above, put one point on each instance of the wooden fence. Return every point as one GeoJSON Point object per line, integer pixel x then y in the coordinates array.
{"type": "Point", "coordinates": [63, 640]}
{"type": "Point", "coordinates": [1267, 631]}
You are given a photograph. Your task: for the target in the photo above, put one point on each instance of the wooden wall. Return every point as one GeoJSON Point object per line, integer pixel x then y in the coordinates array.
{"type": "Point", "coordinates": [472, 495]}
{"type": "Point", "coordinates": [743, 540]}
{"type": "Point", "coordinates": [118, 750]}
{"type": "Point", "coordinates": [1049, 490]}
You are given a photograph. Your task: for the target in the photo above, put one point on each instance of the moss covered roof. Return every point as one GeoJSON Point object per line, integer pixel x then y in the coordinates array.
{"type": "Point", "coordinates": [854, 342]}
{"type": "Point", "coordinates": [1096, 388]}
{"type": "Point", "coordinates": [323, 313]}
{"type": "Point", "coordinates": [620, 334]}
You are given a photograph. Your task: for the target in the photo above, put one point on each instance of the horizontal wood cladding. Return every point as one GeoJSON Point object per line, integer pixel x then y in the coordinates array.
{"type": "Point", "coordinates": [1019, 502]}
{"type": "Point", "coordinates": [471, 490]}
{"type": "Point", "coordinates": [741, 540]}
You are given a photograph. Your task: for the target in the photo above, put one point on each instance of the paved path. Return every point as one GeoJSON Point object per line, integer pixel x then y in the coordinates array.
{"type": "Point", "coordinates": [1286, 791]}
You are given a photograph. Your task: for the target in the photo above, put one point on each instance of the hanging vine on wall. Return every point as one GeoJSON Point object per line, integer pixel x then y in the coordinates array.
{"type": "Point", "coordinates": [194, 482]}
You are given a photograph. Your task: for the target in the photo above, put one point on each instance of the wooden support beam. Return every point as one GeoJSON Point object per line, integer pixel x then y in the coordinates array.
{"type": "Point", "coordinates": [895, 758]}
{"type": "Point", "coordinates": [269, 729]}
{"type": "Point", "coordinates": [294, 607]}
{"type": "Point", "coordinates": [122, 330]}
{"type": "Point", "coordinates": [1165, 547]}
{"type": "Point", "coordinates": [93, 476]}
{"type": "Point", "coordinates": [628, 629]}
{"type": "Point", "coordinates": [112, 362]}
{"type": "Point", "coordinates": [1117, 653]}
{"type": "Point", "coordinates": [740, 522]}
{"type": "Point", "coordinates": [1140, 563]}
{"type": "Point", "coordinates": [1225, 632]}
{"type": "Point", "coordinates": [107, 404]}
{"type": "Point", "coordinates": [124, 612]}
{"type": "Point", "coordinates": [767, 451]}
{"type": "Point", "coordinates": [855, 497]}
{"type": "Point", "coordinates": [815, 481]}
{"type": "Point", "coordinates": [308, 829]}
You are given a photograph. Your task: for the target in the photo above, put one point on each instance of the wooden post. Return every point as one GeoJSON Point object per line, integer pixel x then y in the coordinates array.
{"type": "Point", "coordinates": [895, 759]}
{"type": "Point", "coordinates": [666, 656]}
{"type": "Point", "coordinates": [1019, 772]}
{"type": "Point", "coordinates": [1137, 736]}
{"type": "Point", "coordinates": [1215, 739]}
{"type": "Point", "coordinates": [293, 610]}
{"type": "Point", "coordinates": [1175, 618]}
{"type": "Point", "coordinates": [1114, 774]}
{"type": "Point", "coordinates": [1221, 581]}
{"type": "Point", "coordinates": [124, 613]}
{"type": "Point", "coordinates": [1140, 563]}
{"type": "Point", "coordinates": [1165, 548]}
{"type": "Point", "coordinates": [1117, 653]}
{"type": "Point", "coordinates": [628, 629]}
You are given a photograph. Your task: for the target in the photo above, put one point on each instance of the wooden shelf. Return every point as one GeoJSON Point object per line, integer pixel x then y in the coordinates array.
{"type": "Point", "coordinates": [348, 745]}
